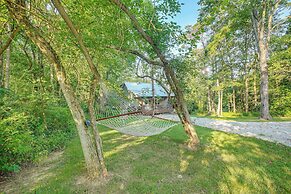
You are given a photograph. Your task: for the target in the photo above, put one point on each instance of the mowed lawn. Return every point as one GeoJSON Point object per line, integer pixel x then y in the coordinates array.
{"type": "Point", "coordinates": [224, 163]}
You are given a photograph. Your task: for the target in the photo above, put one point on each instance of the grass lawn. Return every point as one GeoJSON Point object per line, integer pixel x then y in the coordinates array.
{"type": "Point", "coordinates": [243, 118]}
{"type": "Point", "coordinates": [225, 163]}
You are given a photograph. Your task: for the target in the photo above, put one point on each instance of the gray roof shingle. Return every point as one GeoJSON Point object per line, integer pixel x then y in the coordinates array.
{"type": "Point", "coordinates": [142, 89]}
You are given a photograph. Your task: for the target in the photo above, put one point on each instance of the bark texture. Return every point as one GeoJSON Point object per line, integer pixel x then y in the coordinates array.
{"type": "Point", "coordinates": [8, 42]}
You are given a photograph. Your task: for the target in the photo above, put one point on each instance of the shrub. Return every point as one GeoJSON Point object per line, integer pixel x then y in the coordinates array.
{"type": "Point", "coordinates": [16, 141]}
{"type": "Point", "coordinates": [24, 137]}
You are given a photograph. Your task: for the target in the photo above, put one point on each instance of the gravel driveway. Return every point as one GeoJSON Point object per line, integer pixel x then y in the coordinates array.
{"type": "Point", "coordinates": [270, 131]}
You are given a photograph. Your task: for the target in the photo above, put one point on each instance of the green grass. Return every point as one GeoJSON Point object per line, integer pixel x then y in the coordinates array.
{"type": "Point", "coordinates": [224, 163]}
{"type": "Point", "coordinates": [251, 117]}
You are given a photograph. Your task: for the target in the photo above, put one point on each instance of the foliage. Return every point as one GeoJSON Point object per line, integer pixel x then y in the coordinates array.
{"type": "Point", "coordinates": [224, 58]}
{"type": "Point", "coordinates": [280, 77]}
{"type": "Point", "coordinates": [24, 137]}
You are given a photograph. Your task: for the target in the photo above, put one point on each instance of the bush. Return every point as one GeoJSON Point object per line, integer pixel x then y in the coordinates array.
{"type": "Point", "coordinates": [281, 103]}
{"type": "Point", "coordinates": [24, 137]}
{"type": "Point", "coordinates": [16, 141]}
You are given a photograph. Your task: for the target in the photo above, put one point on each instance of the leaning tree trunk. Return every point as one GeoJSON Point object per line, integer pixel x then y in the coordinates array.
{"type": "Point", "coordinates": [171, 78]}
{"type": "Point", "coordinates": [90, 154]}
{"type": "Point", "coordinates": [182, 108]}
{"type": "Point", "coordinates": [97, 137]}
{"type": "Point", "coordinates": [95, 81]}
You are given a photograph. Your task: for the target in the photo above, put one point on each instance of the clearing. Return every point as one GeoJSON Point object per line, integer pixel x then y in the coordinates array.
{"type": "Point", "coordinates": [225, 163]}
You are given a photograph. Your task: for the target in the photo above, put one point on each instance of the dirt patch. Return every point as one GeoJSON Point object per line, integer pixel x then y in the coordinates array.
{"type": "Point", "coordinates": [32, 176]}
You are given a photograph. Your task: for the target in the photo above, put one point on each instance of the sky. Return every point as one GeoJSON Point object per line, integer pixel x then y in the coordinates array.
{"type": "Point", "coordinates": [189, 13]}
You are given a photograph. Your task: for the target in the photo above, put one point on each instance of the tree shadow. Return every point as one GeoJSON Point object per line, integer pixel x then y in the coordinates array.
{"type": "Point", "coordinates": [225, 163]}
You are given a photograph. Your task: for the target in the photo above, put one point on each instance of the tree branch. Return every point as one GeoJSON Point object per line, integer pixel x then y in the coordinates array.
{"type": "Point", "coordinates": [157, 80]}
{"type": "Point", "coordinates": [255, 27]}
{"type": "Point", "coordinates": [270, 20]}
{"type": "Point", "coordinates": [8, 42]}
{"type": "Point", "coordinates": [139, 54]}
{"type": "Point", "coordinates": [79, 38]}
{"type": "Point", "coordinates": [281, 22]}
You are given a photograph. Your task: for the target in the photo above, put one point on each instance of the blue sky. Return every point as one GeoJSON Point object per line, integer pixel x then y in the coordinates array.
{"type": "Point", "coordinates": [189, 13]}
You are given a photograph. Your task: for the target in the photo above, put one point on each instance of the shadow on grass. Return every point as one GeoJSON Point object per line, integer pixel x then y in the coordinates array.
{"type": "Point", "coordinates": [225, 163]}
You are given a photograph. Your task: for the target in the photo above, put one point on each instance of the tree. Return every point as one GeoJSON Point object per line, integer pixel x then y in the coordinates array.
{"type": "Point", "coordinates": [262, 21]}
{"type": "Point", "coordinates": [18, 11]}
{"type": "Point", "coordinates": [170, 75]}
{"type": "Point", "coordinates": [95, 81]}
{"type": "Point", "coordinates": [247, 27]}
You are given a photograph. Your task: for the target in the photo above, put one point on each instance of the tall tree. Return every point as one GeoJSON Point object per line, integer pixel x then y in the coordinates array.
{"type": "Point", "coordinates": [262, 20]}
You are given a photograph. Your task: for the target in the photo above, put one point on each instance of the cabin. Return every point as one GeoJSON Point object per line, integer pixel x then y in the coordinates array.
{"type": "Point", "coordinates": [143, 93]}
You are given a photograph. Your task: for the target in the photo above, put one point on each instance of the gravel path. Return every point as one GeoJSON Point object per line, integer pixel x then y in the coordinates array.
{"type": "Point", "coordinates": [270, 131]}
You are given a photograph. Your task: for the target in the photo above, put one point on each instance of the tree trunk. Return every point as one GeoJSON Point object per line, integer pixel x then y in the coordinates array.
{"type": "Point", "coordinates": [95, 81]}
{"type": "Point", "coordinates": [255, 90]}
{"type": "Point", "coordinates": [219, 102]}
{"type": "Point", "coordinates": [264, 88]}
{"type": "Point", "coordinates": [182, 109]}
{"type": "Point", "coordinates": [7, 65]}
{"type": "Point", "coordinates": [246, 94]}
{"type": "Point", "coordinates": [52, 78]}
{"type": "Point", "coordinates": [153, 91]}
{"type": "Point", "coordinates": [97, 138]}
{"type": "Point", "coordinates": [262, 43]}
{"type": "Point", "coordinates": [171, 78]}
{"type": "Point", "coordinates": [90, 154]}
{"type": "Point", "coordinates": [229, 103]}
{"type": "Point", "coordinates": [233, 100]}
{"type": "Point", "coordinates": [208, 101]}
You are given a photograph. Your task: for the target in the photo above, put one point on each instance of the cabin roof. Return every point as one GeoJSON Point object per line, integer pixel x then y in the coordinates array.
{"type": "Point", "coordinates": [142, 89]}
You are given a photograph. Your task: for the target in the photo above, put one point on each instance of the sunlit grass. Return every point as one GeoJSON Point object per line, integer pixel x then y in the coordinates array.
{"type": "Point", "coordinates": [224, 163]}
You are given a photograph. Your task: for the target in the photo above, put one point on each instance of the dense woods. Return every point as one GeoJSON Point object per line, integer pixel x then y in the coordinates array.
{"type": "Point", "coordinates": [242, 59]}
{"type": "Point", "coordinates": [55, 58]}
